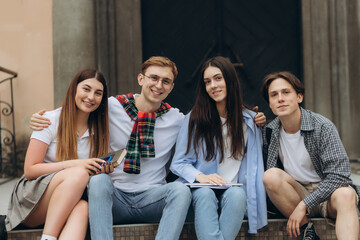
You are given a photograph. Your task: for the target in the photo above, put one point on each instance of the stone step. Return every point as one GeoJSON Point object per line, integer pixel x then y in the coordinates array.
{"type": "Point", "coordinates": [275, 230]}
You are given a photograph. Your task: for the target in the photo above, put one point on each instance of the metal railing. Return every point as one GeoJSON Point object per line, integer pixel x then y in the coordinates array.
{"type": "Point", "coordinates": [7, 135]}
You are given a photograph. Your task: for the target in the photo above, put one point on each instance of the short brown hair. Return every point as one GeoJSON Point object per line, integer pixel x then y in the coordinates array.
{"type": "Point", "coordinates": [160, 61]}
{"type": "Point", "coordinates": [287, 76]}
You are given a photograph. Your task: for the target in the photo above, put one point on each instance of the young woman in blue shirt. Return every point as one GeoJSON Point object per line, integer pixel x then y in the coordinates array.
{"type": "Point", "coordinates": [220, 144]}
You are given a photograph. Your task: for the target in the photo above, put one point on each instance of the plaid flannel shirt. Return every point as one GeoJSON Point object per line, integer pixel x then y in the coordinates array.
{"type": "Point", "coordinates": [326, 151]}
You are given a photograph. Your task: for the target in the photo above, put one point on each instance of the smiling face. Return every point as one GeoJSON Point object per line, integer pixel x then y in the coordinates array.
{"type": "Point", "coordinates": [215, 85]}
{"type": "Point", "coordinates": [89, 94]}
{"type": "Point", "coordinates": [283, 99]}
{"type": "Point", "coordinates": [156, 91]}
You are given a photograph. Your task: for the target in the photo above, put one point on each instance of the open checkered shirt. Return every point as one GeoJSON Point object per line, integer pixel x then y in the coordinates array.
{"type": "Point", "coordinates": [326, 151]}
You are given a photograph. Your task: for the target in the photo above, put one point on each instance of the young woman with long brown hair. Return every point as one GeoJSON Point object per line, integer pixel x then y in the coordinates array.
{"type": "Point", "coordinates": [220, 144]}
{"type": "Point", "coordinates": [60, 160]}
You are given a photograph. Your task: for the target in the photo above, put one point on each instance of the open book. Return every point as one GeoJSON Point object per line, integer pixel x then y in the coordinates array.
{"type": "Point", "coordinates": [115, 158]}
{"type": "Point", "coordinates": [225, 186]}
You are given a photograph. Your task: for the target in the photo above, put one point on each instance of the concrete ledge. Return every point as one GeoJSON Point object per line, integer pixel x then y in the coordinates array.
{"type": "Point", "coordinates": [275, 230]}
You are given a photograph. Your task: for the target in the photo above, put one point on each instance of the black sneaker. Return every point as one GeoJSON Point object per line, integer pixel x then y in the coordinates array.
{"type": "Point", "coordinates": [310, 233]}
{"type": "Point", "coordinates": [3, 233]}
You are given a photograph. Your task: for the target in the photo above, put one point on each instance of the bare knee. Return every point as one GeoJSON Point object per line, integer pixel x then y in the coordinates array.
{"type": "Point", "coordinates": [81, 209]}
{"type": "Point", "coordinates": [77, 176]}
{"type": "Point", "coordinates": [272, 179]}
{"type": "Point", "coordinates": [344, 196]}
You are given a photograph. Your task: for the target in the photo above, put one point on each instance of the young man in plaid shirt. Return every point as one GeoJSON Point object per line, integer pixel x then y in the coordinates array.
{"type": "Point", "coordinates": [308, 170]}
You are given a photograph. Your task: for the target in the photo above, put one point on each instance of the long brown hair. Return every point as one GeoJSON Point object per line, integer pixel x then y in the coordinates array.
{"type": "Point", "coordinates": [98, 121]}
{"type": "Point", "coordinates": [205, 123]}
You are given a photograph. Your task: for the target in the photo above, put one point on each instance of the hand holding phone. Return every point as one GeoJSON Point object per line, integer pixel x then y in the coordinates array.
{"type": "Point", "coordinates": [115, 158]}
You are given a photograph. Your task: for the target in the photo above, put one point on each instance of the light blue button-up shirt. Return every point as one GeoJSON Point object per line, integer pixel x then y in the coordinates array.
{"type": "Point", "coordinates": [251, 171]}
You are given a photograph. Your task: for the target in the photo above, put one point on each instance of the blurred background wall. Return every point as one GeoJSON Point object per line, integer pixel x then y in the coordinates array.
{"type": "Point", "coordinates": [26, 47]}
{"type": "Point", "coordinates": [46, 42]}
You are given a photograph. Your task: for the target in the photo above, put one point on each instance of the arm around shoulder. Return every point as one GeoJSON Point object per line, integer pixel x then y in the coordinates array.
{"type": "Point", "coordinates": [38, 121]}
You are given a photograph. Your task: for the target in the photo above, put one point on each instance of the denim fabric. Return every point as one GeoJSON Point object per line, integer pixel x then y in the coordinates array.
{"type": "Point", "coordinates": [167, 204]}
{"type": "Point", "coordinates": [218, 215]}
{"type": "Point", "coordinates": [187, 166]}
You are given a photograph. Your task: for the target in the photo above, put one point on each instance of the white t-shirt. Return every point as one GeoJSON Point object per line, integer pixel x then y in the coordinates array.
{"type": "Point", "coordinates": [152, 170]}
{"type": "Point", "coordinates": [229, 167]}
{"type": "Point", "coordinates": [48, 136]}
{"type": "Point", "coordinates": [296, 159]}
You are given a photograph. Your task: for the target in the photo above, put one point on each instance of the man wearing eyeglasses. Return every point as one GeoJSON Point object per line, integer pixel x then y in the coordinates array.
{"type": "Point", "coordinates": [136, 192]}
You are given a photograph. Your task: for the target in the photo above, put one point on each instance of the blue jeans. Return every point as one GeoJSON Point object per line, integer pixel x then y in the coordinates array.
{"type": "Point", "coordinates": [167, 204]}
{"type": "Point", "coordinates": [208, 223]}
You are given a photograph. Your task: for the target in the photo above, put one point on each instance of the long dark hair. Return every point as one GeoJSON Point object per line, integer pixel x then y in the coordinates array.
{"type": "Point", "coordinates": [205, 123]}
{"type": "Point", "coordinates": [98, 121]}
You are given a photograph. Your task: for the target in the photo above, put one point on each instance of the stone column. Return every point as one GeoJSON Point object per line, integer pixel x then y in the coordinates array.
{"type": "Point", "coordinates": [73, 42]}
{"type": "Point", "coordinates": [129, 45]}
{"type": "Point", "coordinates": [119, 43]}
{"type": "Point", "coordinates": [102, 34]}
{"type": "Point", "coordinates": [331, 57]}
{"type": "Point", "coordinates": [353, 22]}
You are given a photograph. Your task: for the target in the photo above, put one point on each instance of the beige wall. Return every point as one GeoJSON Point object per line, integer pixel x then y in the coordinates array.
{"type": "Point", "coordinates": [26, 48]}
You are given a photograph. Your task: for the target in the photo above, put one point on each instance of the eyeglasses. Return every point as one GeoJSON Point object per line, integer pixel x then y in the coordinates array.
{"type": "Point", "coordinates": [154, 79]}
